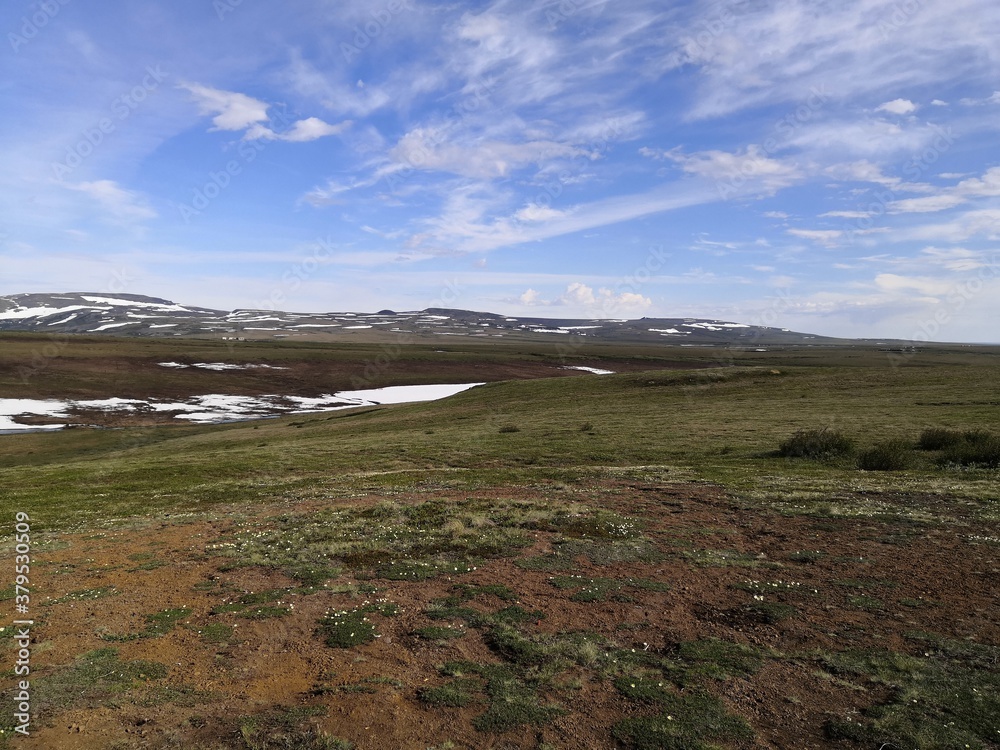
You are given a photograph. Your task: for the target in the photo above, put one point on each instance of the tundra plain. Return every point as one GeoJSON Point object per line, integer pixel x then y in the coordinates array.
{"type": "Point", "coordinates": [554, 559]}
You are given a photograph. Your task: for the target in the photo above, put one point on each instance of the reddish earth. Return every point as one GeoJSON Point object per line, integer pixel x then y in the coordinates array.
{"type": "Point", "coordinates": [279, 662]}
{"type": "Point", "coordinates": [82, 378]}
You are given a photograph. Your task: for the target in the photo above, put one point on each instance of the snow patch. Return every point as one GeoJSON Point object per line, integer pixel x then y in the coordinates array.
{"type": "Point", "coordinates": [594, 370]}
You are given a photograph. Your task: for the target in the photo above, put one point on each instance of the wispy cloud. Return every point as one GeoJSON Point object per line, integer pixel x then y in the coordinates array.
{"type": "Point", "coordinates": [118, 203]}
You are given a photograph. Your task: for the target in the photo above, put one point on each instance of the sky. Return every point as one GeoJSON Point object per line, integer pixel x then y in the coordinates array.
{"type": "Point", "coordinates": [829, 166]}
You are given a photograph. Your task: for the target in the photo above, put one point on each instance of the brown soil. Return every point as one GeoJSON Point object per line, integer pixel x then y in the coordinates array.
{"type": "Point", "coordinates": [84, 378]}
{"type": "Point", "coordinates": [279, 662]}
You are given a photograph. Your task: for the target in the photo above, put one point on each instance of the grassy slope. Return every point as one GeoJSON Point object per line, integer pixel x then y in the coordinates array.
{"type": "Point", "coordinates": [719, 425]}
{"type": "Point", "coordinates": [716, 424]}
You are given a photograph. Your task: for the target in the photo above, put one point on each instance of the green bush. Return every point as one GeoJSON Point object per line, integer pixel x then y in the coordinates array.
{"type": "Point", "coordinates": [821, 443]}
{"type": "Point", "coordinates": [936, 438]}
{"type": "Point", "coordinates": [889, 455]}
{"type": "Point", "coordinates": [977, 448]}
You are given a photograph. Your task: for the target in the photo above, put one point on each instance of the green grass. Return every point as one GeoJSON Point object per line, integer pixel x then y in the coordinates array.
{"type": "Point", "coordinates": [348, 628]}
{"type": "Point", "coordinates": [92, 680]}
{"type": "Point", "coordinates": [456, 693]}
{"type": "Point", "coordinates": [99, 478]}
{"type": "Point", "coordinates": [447, 462]}
{"type": "Point", "coordinates": [685, 722]}
{"type": "Point", "coordinates": [947, 698]}
{"type": "Point", "coordinates": [410, 542]}
{"type": "Point", "coordinates": [439, 633]}
{"type": "Point", "coordinates": [286, 729]}
{"type": "Point", "coordinates": [511, 700]}
{"type": "Point", "coordinates": [216, 632]}
{"type": "Point", "coordinates": [727, 558]}
{"type": "Point", "coordinates": [157, 624]}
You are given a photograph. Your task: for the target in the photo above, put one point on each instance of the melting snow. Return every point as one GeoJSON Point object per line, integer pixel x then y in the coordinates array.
{"type": "Point", "coordinates": [133, 303]}
{"type": "Point", "coordinates": [12, 407]}
{"type": "Point", "coordinates": [39, 312]}
{"type": "Point", "coordinates": [220, 366]}
{"type": "Point", "coordinates": [590, 369]}
{"type": "Point", "coordinates": [219, 407]}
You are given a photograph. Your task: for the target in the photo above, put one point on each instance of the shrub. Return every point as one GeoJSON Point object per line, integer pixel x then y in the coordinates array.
{"type": "Point", "coordinates": [936, 438]}
{"type": "Point", "coordinates": [977, 448]}
{"type": "Point", "coordinates": [889, 455]}
{"type": "Point", "coordinates": [821, 443]}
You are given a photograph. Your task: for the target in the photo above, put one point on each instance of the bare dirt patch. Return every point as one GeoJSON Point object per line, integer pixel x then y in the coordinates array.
{"type": "Point", "coordinates": [241, 645]}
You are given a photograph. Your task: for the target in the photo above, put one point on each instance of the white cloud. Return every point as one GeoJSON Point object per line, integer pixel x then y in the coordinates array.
{"type": "Point", "coordinates": [891, 282]}
{"type": "Point", "coordinates": [119, 203]}
{"type": "Point", "coordinates": [752, 54]}
{"type": "Point", "coordinates": [436, 149]}
{"type": "Point", "coordinates": [958, 259]}
{"type": "Point", "coordinates": [987, 185]}
{"type": "Point", "coordinates": [776, 215]}
{"type": "Point", "coordinates": [823, 236]}
{"type": "Point", "coordinates": [975, 187]}
{"type": "Point", "coordinates": [897, 107]}
{"type": "Point", "coordinates": [979, 223]}
{"type": "Point", "coordinates": [993, 99]}
{"type": "Point", "coordinates": [536, 212]}
{"type": "Point", "coordinates": [870, 138]}
{"type": "Point", "coordinates": [234, 111]}
{"type": "Point", "coordinates": [846, 214]}
{"type": "Point", "coordinates": [231, 110]}
{"type": "Point", "coordinates": [926, 204]}
{"type": "Point", "coordinates": [301, 131]}
{"type": "Point", "coordinates": [751, 171]}
{"type": "Point", "coordinates": [312, 128]}
{"type": "Point", "coordinates": [861, 171]}
{"type": "Point", "coordinates": [584, 299]}
{"type": "Point", "coordinates": [530, 297]}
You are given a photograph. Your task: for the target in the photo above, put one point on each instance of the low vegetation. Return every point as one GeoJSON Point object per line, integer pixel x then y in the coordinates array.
{"type": "Point", "coordinates": [643, 552]}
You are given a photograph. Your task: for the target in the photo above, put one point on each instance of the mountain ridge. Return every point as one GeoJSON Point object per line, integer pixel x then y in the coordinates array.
{"type": "Point", "coordinates": [124, 314]}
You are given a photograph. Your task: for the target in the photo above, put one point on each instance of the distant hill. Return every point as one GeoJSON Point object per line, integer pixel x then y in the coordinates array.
{"type": "Point", "coordinates": [137, 315]}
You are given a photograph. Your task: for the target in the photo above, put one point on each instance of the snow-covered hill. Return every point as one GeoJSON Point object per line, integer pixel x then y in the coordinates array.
{"type": "Point", "coordinates": [136, 315]}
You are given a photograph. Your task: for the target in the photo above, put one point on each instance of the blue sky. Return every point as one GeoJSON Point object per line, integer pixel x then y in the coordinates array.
{"type": "Point", "coordinates": [826, 166]}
